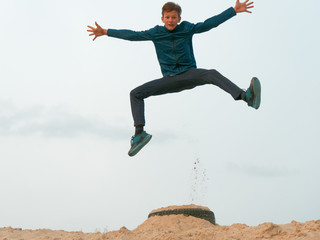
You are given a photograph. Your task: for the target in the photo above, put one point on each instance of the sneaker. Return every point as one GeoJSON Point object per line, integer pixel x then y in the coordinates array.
{"type": "Point", "coordinates": [253, 93]}
{"type": "Point", "coordinates": [138, 142]}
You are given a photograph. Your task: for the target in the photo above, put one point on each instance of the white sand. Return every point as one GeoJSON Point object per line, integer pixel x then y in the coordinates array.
{"type": "Point", "coordinates": [176, 227]}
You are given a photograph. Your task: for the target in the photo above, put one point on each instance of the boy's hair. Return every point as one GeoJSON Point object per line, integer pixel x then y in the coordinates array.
{"type": "Point", "coordinates": [171, 6]}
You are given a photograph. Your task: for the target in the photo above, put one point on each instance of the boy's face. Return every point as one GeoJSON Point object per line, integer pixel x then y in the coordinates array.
{"type": "Point", "coordinates": [170, 19]}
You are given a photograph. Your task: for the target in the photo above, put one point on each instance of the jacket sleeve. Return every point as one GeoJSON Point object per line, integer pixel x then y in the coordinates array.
{"type": "Point", "coordinates": [214, 21]}
{"type": "Point", "coordinates": [130, 35]}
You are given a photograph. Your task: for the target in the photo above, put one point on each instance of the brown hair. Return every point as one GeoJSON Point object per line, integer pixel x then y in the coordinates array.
{"type": "Point", "coordinates": [171, 6]}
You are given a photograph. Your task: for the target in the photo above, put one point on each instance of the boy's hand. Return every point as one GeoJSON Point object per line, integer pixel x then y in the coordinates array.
{"type": "Point", "coordinates": [97, 32]}
{"type": "Point", "coordinates": [243, 7]}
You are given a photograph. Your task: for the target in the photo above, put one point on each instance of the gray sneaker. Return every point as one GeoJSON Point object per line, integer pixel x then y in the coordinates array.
{"type": "Point", "coordinates": [138, 142]}
{"type": "Point", "coordinates": [253, 93]}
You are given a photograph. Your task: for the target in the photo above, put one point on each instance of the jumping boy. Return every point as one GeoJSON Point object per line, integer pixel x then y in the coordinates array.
{"type": "Point", "coordinates": [173, 44]}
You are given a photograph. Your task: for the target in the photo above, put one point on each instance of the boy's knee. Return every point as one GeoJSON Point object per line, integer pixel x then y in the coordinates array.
{"type": "Point", "coordinates": [213, 72]}
{"type": "Point", "coordinates": [135, 93]}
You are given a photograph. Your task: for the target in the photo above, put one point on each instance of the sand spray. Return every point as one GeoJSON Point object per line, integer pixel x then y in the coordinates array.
{"type": "Point", "coordinates": [199, 179]}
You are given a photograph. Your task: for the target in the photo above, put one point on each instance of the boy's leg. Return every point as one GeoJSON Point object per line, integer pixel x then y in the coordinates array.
{"type": "Point", "coordinates": [252, 95]}
{"type": "Point", "coordinates": [214, 77]}
{"type": "Point", "coordinates": [167, 84]}
{"type": "Point", "coordinates": [137, 96]}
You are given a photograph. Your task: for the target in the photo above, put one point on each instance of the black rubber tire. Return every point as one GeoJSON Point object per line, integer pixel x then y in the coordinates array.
{"type": "Point", "coordinates": [195, 212]}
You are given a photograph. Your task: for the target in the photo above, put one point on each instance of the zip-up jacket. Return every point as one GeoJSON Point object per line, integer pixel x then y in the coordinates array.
{"type": "Point", "coordinates": [174, 48]}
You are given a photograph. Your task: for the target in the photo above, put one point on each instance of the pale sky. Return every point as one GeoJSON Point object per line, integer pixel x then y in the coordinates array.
{"type": "Point", "coordinates": [66, 125]}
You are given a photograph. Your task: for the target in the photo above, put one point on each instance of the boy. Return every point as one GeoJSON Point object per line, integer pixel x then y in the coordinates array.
{"type": "Point", "coordinates": [173, 44]}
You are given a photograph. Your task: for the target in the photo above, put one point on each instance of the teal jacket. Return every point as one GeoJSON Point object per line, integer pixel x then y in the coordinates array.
{"type": "Point", "coordinates": [174, 48]}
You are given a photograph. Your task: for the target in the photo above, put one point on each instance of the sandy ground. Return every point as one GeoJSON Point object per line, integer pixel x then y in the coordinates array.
{"type": "Point", "coordinates": [176, 227]}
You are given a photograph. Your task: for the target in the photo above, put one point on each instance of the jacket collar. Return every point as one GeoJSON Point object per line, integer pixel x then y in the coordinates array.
{"type": "Point", "coordinates": [174, 30]}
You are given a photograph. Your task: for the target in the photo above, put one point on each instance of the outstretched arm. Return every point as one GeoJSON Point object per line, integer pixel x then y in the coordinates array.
{"type": "Point", "coordinates": [243, 7]}
{"type": "Point", "coordinates": [122, 34]}
{"type": "Point", "coordinates": [97, 32]}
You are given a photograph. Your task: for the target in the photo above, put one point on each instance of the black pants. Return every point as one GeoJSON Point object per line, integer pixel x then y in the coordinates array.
{"type": "Point", "coordinates": [177, 83]}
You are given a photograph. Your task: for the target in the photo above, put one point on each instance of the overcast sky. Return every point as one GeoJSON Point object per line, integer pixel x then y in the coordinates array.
{"type": "Point", "coordinates": [65, 120]}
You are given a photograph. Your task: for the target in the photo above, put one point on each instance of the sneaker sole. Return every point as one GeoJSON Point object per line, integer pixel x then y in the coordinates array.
{"type": "Point", "coordinates": [256, 86]}
{"type": "Point", "coordinates": [140, 146]}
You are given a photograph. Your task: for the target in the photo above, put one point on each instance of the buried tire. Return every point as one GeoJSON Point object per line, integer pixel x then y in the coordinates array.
{"type": "Point", "coordinates": [195, 212]}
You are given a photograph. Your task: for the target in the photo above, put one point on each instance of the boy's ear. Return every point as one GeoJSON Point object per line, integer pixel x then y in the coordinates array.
{"type": "Point", "coordinates": [179, 19]}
